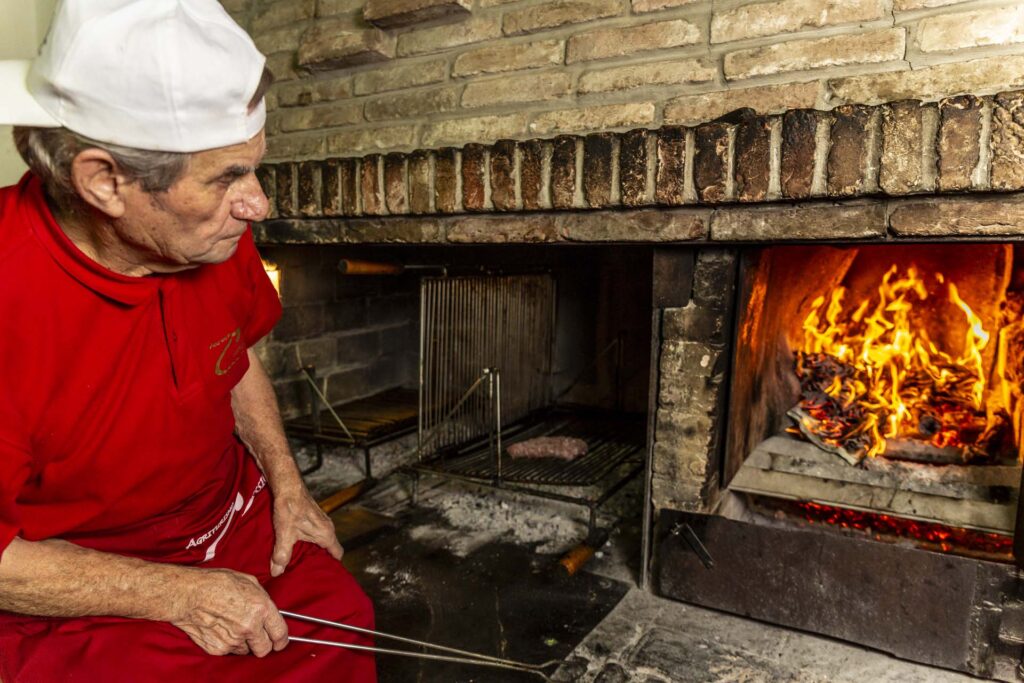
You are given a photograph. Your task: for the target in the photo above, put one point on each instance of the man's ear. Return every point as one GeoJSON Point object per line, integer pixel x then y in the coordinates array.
{"type": "Point", "coordinates": [98, 181]}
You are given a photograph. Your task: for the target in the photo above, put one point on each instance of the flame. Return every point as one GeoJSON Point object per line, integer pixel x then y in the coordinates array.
{"type": "Point", "coordinates": [885, 374]}
{"type": "Point", "coordinates": [274, 273]}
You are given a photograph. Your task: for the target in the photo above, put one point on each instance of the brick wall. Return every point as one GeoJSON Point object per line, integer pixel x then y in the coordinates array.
{"type": "Point", "coordinates": [429, 73]}
{"type": "Point", "coordinates": [361, 332]}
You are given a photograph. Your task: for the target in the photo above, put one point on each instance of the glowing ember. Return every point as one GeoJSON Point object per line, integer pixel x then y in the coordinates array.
{"type": "Point", "coordinates": [937, 536]}
{"type": "Point", "coordinates": [869, 375]}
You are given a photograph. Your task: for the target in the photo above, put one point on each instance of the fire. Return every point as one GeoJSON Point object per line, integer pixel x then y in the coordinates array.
{"type": "Point", "coordinates": [927, 534]}
{"type": "Point", "coordinates": [869, 374]}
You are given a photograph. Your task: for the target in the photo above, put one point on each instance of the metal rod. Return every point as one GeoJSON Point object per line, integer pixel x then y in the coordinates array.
{"type": "Point", "coordinates": [329, 408]}
{"type": "Point", "coordinates": [418, 655]}
{"type": "Point", "coordinates": [410, 641]}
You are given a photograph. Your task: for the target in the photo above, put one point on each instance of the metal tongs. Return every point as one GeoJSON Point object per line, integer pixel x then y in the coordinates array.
{"type": "Point", "coordinates": [464, 656]}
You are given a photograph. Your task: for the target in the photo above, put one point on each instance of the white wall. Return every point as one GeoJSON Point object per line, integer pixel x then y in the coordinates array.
{"type": "Point", "coordinates": [22, 28]}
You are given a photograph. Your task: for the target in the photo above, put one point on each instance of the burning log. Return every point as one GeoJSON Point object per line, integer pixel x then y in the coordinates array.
{"type": "Point", "coordinates": [873, 383]}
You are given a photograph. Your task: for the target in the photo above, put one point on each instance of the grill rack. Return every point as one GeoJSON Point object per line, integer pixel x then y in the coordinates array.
{"type": "Point", "coordinates": [611, 440]}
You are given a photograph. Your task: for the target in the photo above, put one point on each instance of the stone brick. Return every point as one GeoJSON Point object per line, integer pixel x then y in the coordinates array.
{"type": "Point", "coordinates": [902, 168]}
{"type": "Point", "coordinates": [596, 118]}
{"type": "Point", "coordinates": [396, 192]}
{"type": "Point", "coordinates": [332, 89]}
{"type": "Point", "coordinates": [329, 116]}
{"type": "Point", "coordinates": [285, 191]}
{"type": "Point", "coordinates": [959, 141]}
{"type": "Point", "coordinates": [307, 193]}
{"type": "Point", "coordinates": [539, 87]}
{"type": "Point", "coordinates": [531, 174]}
{"type": "Point", "coordinates": [711, 161]}
{"type": "Point", "coordinates": [420, 189]}
{"type": "Point", "coordinates": [446, 196]}
{"type": "Point", "coordinates": [300, 322]}
{"type": "Point", "coordinates": [371, 193]}
{"type": "Point", "coordinates": [348, 142]}
{"type": "Point", "coordinates": [628, 40]}
{"type": "Point", "coordinates": [268, 183]}
{"type": "Point", "coordinates": [633, 167]}
{"type": "Point", "coordinates": [281, 147]}
{"type": "Point", "coordinates": [672, 72]}
{"type": "Point", "coordinates": [933, 82]}
{"type": "Point", "coordinates": [514, 57]}
{"type": "Point", "coordinates": [439, 38]}
{"type": "Point", "coordinates": [494, 229]}
{"type": "Point", "coordinates": [400, 13]}
{"type": "Point", "coordinates": [279, 40]}
{"type": "Point", "coordinates": [281, 13]}
{"type": "Point", "coordinates": [695, 323]}
{"type": "Point", "coordinates": [474, 177]}
{"type": "Point", "coordinates": [850, 154]}
{"type": "Point", "coordinates": [799, 128]}
{"type": "Point", "coordinates": [753, 165]}
{"type": "Point", "coordinates": [557, 13]}
{"type": "Point", "coordinates": [959, 217]}
{"type": "Point", "coordinates": [293, 94]}
{"type": "Point", "coordinates": [997, 26]}
{"type": "Point", "coordinates": [597, 169]}
{"type": "Point", "coordinates": [904, 5]}
{"type": "Point", "coordinates": [413, 104]}
{"type": "Point", "coordinates": [670, 176]}
{"type": "Point", "coordinates": [1008, 141]}
{"type": "Point", "coordinates": [282, 65]}
{"type": "Point", "coordinates": [817, 53]}
{"type": "Point", "coordinates": [503, 180]}
{"type": "Point", "coordinates": [391, 230]}
{"type": "Point", "coordinates": [714, 278]}
{"type": "Point", "coordinates": [333, 44]}
{"type": "Point", "coordinates": [401, 75]}
{"type": "Point", "coordinates": [330, 187]}
{"type": "Point", "coordinates": [769, 99]}
{"type": "Point", "coordinates": [803, 222]}
{"type": "Point", "coordinates": [633, 226]}
{"type": "Point", "coordinates": [328, 8]}
{"type": "Point", "coordinates": [479, 128]}
{"type": "Point", "coordinates": [787, 16]}
{"type": "Point", "coordinates": [350, 187]}
{"type": "Point", "coordinates": [686, 370]}
{"type": "Point", "coordinates": [655, 5]}
{"type": "Point", "coordinates": [563, 172]}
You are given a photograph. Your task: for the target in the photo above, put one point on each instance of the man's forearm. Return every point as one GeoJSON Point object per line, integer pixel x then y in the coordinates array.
{"type": "Point", "coordinates": [222, 611]}
{"type": "Point", "coordinates": [258, 422]}
{"type": "Point", "coordinates": [59, 579]}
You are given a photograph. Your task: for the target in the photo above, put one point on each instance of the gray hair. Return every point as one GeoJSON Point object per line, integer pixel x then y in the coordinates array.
{"type": "Point", "coordinates": [49, 152]}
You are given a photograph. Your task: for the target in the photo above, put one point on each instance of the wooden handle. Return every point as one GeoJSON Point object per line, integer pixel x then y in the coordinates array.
{"type": "Point", "coordinates": [336, 500]}
{"type": "Point", "coordinates": [574, 560]}
{"type": "Point", "coordinates": [355, 267]}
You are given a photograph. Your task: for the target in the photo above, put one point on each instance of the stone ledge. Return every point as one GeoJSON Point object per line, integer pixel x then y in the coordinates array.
{"type": "Point", "coordinates": [952, 218]}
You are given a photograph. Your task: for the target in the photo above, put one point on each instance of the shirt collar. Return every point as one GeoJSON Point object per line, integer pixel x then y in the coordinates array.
{"type": "Point", "coordinates": [121, 288]}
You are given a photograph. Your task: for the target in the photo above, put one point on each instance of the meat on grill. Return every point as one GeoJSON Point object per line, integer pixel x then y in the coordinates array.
{"type": "Point", "coordinates": [566, 448]}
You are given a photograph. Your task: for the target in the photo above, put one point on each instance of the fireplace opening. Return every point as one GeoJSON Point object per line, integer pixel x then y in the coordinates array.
{"type": "Point", "coordinates": [877, 390]}
{"type": "Point", "coordinates": [526, 368]}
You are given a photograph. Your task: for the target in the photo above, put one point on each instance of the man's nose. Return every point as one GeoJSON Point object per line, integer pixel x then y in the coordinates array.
{"type": "Point", "coordinates": [251, 204]}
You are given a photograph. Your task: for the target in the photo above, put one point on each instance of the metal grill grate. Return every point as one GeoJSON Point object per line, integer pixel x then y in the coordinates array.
{"type": "Point", "coordinates": [473, 323]}
{"type": "Point", "coordinates": [611, 440]}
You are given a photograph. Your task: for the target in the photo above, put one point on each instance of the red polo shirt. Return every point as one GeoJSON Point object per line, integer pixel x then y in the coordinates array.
{"type": "Point", "coordinates": [116, 430]}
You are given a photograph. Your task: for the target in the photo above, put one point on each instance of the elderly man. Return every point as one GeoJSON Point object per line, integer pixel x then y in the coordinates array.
{"type": "Point", "coordinates": [152, 519]}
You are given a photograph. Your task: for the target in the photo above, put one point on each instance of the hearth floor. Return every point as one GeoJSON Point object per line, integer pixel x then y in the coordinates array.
{"type": "Point", "coordinates": [477, 569]}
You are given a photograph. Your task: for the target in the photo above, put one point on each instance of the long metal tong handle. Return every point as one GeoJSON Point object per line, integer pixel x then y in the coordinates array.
{"type": "Point", "coordinates": [466, 657]}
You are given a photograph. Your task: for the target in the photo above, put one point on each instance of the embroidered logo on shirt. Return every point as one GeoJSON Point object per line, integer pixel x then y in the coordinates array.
{"type": "Point", "coordinates": [230, 354]}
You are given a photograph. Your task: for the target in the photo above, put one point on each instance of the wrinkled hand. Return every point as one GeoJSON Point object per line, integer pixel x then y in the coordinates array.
{"type": "Point", "coordinates": [297, 517]}
{"type": "Point", "coordinates": [227, 612]}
